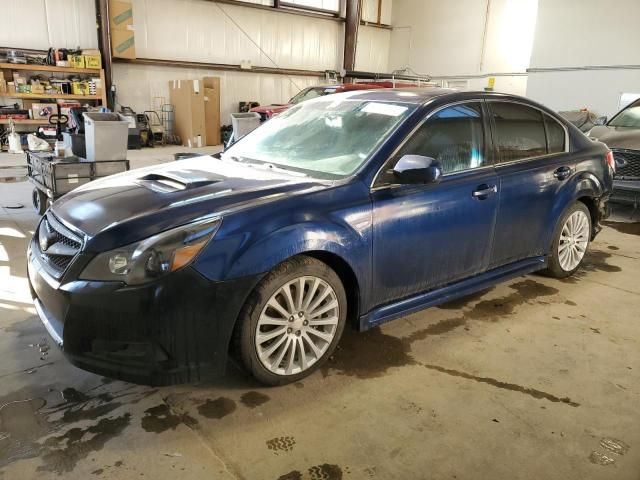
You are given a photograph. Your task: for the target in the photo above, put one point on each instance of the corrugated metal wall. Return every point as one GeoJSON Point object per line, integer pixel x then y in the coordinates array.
{"type": "Point", "coordinates": [219, 33]}
{"type": "Point", "coordinates": [40, 24]}
{"type": "Point", "coordinates": [201, 31]}
{"type": "Point", "coordinates": [205, 32]}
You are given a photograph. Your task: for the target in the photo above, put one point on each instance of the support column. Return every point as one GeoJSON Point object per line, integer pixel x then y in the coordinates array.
{"type": "Point", "coordinates": [352, 22]}
{"type": "Point", "coordinates": [104, 44]}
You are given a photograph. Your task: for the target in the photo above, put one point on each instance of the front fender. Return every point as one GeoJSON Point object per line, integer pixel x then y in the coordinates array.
{"type": "Point", "coordinates": [253, 242]}
{"type": "Point", "coordinates": [300, 238]}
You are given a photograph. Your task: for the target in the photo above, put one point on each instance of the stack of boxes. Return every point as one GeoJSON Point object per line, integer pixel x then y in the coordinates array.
{"type": "Point", "coordinates": [196, 106]}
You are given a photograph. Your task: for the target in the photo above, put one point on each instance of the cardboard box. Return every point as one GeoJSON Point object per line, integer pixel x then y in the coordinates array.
{"type": "Point", "coordinates": [212, 110]}
{"type": "Point", "coordinates": [93, 61]}
{"type": "Point", "coordinates": [42, 111]}
{"type": "Point", "coordinates": [120, 15]}
{"type": "Point", "coordinates": [187, 98]}
{"type": "Point", "coordinates": [76, 61]}
{"type": "Point", "coordinates": [123, 44]}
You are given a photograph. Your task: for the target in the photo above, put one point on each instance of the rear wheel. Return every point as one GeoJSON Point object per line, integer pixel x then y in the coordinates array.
{"type": "Point", "coordinates": [292, 321]}
{"type": "Point", "coordinates": [571, 240]}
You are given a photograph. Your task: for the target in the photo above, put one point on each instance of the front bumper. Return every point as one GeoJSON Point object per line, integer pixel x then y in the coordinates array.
{"type": "Point", "coordinates": [626, 191]}
{"type": "Point", "coordinates": [173, 330]}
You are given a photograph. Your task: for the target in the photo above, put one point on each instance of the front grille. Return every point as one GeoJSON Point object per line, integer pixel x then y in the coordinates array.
{"type": "Point", "coordinates": [57, 245]}
{"type": "Point", "coordinates": [627, 164]}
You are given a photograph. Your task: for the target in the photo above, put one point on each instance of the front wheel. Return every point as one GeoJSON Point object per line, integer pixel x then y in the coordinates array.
{"type": "Point", "coordinates": [39, 200]}
{"type": "Point", "coordinates": [292, 321]}
{"type": "Point", "coordinates": [570, 243]}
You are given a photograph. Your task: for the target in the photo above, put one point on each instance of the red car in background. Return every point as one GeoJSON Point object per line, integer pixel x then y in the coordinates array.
{"type": "Point", "coordinates": [268, 111]}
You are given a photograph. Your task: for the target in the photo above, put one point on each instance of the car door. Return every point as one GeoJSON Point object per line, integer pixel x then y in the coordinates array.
{"type": "Point", "coordinates": [429, 235]}
{"type": "Point", "coordinates": [532, 164]}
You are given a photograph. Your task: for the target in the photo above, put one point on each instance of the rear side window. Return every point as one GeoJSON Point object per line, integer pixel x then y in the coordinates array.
{"type": "Point", "coordinates": [555, 135]}
{"type": "Point", "coordinates": [519, 131]}
{"type": "Point", "coordinates": [454, 136]}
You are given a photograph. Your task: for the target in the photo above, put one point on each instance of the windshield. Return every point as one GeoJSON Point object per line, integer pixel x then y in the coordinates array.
{"type": "Point", "coordinates": [312, 92]}
{"type": "Point", "coordinates": [329, 137]}
{"type": "Point", "coordinates": [627, 118]}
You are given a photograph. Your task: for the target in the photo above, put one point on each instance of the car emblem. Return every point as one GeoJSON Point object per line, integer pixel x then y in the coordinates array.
{"type": "Point", "coordinates": [45, 242]}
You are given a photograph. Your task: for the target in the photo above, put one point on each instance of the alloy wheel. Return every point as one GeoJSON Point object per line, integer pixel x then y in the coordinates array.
{"type": "Point", "coordinates": [574, 239]}
{"type": "Point", "coordinates": [297, 325]}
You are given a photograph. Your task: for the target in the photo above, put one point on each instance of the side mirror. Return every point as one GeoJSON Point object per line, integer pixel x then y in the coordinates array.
{"type": "Point", "coordinates": [600, 121]}
{"type": "Point", "coordinates": [417, 169]}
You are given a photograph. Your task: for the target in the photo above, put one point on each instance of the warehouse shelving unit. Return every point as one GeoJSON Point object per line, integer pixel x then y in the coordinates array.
{"type": "Point", "coordinates": [7, 68]}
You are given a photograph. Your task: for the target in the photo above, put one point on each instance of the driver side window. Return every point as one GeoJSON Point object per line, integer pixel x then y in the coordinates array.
{"type": "Point", "coordinates": [454, 137]}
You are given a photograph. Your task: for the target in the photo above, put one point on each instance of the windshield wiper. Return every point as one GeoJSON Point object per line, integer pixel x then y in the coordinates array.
{"type": "Point", "coordinates": [271, 166]}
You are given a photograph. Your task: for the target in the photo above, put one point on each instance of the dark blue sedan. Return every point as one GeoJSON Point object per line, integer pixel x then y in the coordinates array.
{"type": "Point", "coordinates": [359, 207]}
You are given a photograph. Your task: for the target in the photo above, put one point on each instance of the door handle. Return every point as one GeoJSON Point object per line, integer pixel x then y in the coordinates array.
{"type": "Point", "coordinates": [562, 173]}
{"type": "Point", "coordinates": [483, 191]}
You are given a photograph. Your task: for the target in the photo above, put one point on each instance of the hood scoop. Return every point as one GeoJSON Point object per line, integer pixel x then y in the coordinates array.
{"type": "Point", "coordinates": [175, 182]}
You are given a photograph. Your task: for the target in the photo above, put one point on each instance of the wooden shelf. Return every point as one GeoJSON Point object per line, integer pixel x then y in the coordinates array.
{"type": "Point", "coordinates": [48, 68]}
{"type": "Point", "coordinates": [25, 121]}
{"type": "Point", "coordinates": [51, 95]}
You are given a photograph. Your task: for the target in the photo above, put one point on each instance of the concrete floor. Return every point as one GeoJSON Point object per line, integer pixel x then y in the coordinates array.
{"type": "Point", "coordinates": [535, 378]}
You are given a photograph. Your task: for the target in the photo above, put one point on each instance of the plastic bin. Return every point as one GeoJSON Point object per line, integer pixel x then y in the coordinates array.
{"type": "Point", "coordinates": [244, 123]}
{"type": "Point", "coordinates": [105, 136]}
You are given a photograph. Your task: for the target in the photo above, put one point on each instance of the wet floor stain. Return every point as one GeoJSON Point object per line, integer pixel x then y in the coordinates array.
{"type": "Point", "coordinates": [538, 394]}
{"type": "Point", "coordinates": [281, 444]}
{"type": "Point", "coordinates": [218, 408]}
{"type": "Point", "coordinates": [71, 395]}
{"type": "Point", "coordinates": [439, 328]}
{"type": "Point", "coordinates": [372, 354]}
{"type": "Point", "coordinates": [63, 452]}
{"type": "Point", "coordinates": [13, 179]}
{"type": "Point", "coordinates": [160, 418]}
{"type": "Point", "coordinates": [465, 301]}
{"type": "Point", "coordinates": [368, 354]}
{"type": "Point", "coordinates": [526, 291]}
{"type": "Point", "coordinates": [596, 261]}
{"type": "Point", "coordinates": [21, 424]}
{"type": "Point", "coordinates": [292, 475]}
{"type": "Point", "coordinates": [26, 328]}
{"type": "Point", "coordinates": [629, 228]}
{"type": "Point", "coordinates": [254, 399]}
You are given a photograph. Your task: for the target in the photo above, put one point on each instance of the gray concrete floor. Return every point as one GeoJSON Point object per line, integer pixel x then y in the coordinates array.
{"type": "Point", "coordinates": [535, 378]}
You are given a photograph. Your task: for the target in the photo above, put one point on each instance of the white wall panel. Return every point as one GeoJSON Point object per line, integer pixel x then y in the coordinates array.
{"type": "Point", "coordinates": [584, 33]}
{"type": "Point", "coordinates": [446, 39]}
{"type": "Point", "coordinates": [213, 35]}
{"type": "Point", "coordinates": [370, 11]}
{"type": "Point", "coordinates": [41, 24]}
{"type": "Point", "coordinates": [139, 85]}
{"type": "Point", "coordinates": [372, 51]}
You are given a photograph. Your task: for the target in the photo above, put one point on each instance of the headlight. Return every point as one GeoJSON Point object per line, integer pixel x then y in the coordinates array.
{"type": "Point", "coordinates": [153, 257]}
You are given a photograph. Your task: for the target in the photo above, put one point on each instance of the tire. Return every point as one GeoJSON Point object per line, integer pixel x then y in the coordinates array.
{"type": "Point", "coordinates": [285, 364]}
{"type": "Point", "coordinates": [574, 231]}
{"type": "Point", "coordinates": [40, 201]}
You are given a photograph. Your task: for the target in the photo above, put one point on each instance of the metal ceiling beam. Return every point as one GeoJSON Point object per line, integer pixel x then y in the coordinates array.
{"type": "Point", "coordinates": [220, 66]}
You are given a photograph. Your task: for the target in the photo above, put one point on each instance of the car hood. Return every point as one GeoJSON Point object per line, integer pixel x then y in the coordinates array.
{"type": "Point", "coordinates": [133, 205]}
{"type": "Point", "coordinates": [617, 137]}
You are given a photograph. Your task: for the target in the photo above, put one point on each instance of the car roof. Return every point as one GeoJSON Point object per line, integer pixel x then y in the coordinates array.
{"type": "Point", "coordinates": [422, 95]}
